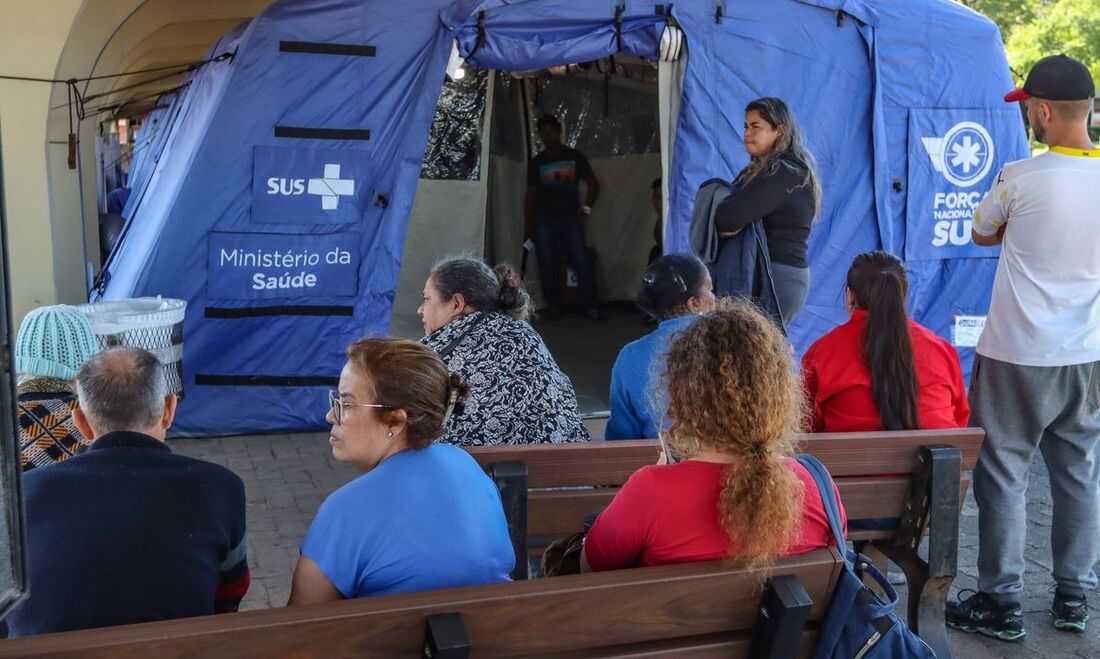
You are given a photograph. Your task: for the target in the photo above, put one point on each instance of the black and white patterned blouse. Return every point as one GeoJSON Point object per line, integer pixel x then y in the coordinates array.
{"type": "Point", "coordinates": [518, 395]}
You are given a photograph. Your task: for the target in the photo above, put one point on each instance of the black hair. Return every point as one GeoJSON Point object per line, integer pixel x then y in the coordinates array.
{"type": "Point", "coordinates": [497, 289]}
{"type": "Point", "coordinates": [879, 284]}
{"type": "Point", "coordinates": [547, 120]}
{"type": "Point", "coordinates": [668, 283]}
{"type": "Point", "coordinates": [789, 151]}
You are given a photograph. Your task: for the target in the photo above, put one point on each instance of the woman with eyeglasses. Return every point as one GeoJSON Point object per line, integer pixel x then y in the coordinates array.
{"type": "Point", "coordinates": [676, 289]}
{"type": "Point", "coordinates": [423, 515]}
{"type": "Point", "coordinates": [475, 318]}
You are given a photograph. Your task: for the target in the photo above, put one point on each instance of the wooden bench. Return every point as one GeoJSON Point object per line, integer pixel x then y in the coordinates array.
{"type": "Point", "coordinates": [699, 609]}
{"type": "Point", "coordinates": [915, 477]}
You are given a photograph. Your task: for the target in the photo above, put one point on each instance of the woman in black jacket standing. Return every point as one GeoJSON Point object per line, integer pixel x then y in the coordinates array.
{"type": "Point", "coordinates": [779, 186]}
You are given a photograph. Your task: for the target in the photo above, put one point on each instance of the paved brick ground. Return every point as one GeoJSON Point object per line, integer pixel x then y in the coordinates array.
{"type": "Point", "coordinates": [287, 476]}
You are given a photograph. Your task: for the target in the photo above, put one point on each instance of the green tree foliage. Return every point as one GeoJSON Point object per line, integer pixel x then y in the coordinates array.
{"type": "Point", "coordinates": [1033, 29]}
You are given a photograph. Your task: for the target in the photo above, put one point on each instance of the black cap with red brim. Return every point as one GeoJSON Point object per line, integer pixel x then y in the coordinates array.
{"type": "Point", "coordinates": [1056, 78]}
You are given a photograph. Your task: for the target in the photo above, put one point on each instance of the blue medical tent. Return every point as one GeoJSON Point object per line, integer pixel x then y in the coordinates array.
{"type": "Point", "coordinates": [279, 196]}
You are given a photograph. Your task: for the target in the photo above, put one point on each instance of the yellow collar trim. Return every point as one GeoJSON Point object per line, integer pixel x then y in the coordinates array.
{"type": "Point", "coordinates": [1080, 153]}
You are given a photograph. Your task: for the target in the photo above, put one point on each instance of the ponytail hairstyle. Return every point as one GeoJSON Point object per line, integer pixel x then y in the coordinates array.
{"type": "Point", "coordinates": [497, 289]}
{"type": "Point", "coordinates": [877, 281]}
{"type": "Point", "coordinates": [777, 113]}
{"type": "Point", "coordinates": [731, 387]}
{"type": "Point", "coordinates": [668, 283]}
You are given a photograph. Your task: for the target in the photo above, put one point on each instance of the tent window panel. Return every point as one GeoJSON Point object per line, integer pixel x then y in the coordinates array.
{"type": "Point", "coordinates": [454, 144]}
{"type": "Point", "coordinates": [615, 117]}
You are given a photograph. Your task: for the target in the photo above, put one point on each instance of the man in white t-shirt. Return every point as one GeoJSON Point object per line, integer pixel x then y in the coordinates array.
{"type": "Point", "coordinates": [1035, 385]}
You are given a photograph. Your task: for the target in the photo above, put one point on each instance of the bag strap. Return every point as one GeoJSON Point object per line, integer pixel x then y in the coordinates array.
{"type": "Point", "coordinates": [828, 495]}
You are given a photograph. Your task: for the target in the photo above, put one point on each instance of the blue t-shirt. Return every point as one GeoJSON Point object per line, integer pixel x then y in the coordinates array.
{"type": "Point", "coordinates": [634, 380]}
{"type": "Point", "coordinates": [420, 520]}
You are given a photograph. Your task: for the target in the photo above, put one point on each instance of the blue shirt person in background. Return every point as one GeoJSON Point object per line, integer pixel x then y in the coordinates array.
{"type": "Point", "coordinates": [423, 515]}
{"type": "Point", "coordinates": [676, 288]}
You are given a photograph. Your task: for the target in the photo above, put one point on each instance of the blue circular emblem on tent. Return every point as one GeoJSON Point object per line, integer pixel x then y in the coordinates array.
{"type": "Point", "coordinates": [967, 153]}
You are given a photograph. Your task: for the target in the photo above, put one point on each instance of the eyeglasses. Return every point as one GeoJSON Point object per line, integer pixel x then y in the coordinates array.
{"type": "Point", "coordinates": [337, 405]}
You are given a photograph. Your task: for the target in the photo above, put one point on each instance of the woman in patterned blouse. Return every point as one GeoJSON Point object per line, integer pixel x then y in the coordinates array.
{"type": "Point", "coordinates": [476, 319]}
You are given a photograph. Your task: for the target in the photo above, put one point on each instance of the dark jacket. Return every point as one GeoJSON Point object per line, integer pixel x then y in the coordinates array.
{"type": "Point", "coordinates": [128, 532]}
{"type": "Point", "coordinates": [739, 264]}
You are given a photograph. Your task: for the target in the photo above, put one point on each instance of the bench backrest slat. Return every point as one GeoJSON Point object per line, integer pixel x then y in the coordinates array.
{"type": "Point", "coordinates": [611, 463]}
{"type": "Point", "coordinates": [709, 604]}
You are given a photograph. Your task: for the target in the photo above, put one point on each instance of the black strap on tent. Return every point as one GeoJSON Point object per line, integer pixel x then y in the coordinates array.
{"type": "Point", "coordinates": [317, 48]}
{"type": "Point", "coordinates": [840, 18]}
{"type": "Point", "coordinates": [286, 310]}
{"type": "Point", "coordinates": [322, 133]}
{"type": "Point", "coordinates": [719, 10]}
{"type": "Point", "coordinates": [480, 35]}
{"type": "Point", "coordinates": [620, 6]}
{"type": "Point", "coordinates": [607, 86]}
{"type": "Point", "coordinates": [266, 380]}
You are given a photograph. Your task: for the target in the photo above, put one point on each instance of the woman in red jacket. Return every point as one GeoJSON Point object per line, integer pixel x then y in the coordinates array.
{"type": "Point", "coordinates": [881, 370]}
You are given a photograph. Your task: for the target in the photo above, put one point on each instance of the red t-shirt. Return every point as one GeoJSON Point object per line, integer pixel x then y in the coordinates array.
{"type": "Point", "coordinates": [669, 514]}
{"type": "Point", "coordinates": [839, 385]}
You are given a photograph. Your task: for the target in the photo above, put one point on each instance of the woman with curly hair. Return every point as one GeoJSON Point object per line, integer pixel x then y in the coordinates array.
{"type": "Point", "coordinates": [736, 491]}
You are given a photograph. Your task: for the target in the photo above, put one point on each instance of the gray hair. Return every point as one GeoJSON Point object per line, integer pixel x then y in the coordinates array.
{"type": "Point", "coordinates": [122, 389]}
{"type": "Point", "coordinates": [485, 289]}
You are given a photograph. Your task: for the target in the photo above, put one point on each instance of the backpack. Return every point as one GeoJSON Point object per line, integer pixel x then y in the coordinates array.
{"type": "Point", "coordinates": [859, 625]}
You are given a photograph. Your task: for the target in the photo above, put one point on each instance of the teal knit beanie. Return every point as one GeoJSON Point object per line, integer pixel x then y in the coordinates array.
{"type": "Point", "coordinates": [53, 342]}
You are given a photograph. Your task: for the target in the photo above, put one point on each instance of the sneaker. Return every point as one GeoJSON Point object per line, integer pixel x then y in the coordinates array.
{"type": "Point", "coordinates": [981, 613]}
{"type": "Point", "coordinates": [1070, 612]}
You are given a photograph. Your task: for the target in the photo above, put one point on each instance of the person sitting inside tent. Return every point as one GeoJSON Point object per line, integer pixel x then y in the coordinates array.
{"type": "Point", "coordinates": [881, 370]}
{"type": "Point", "coordinates": [734, 488]}
{"type": "Point", "coordinates": [53, 343]}
{"type": "Point", "coordinates": [779, 186]}
{"type": "Point", "coordinates": [423, 515]}
{"type": "Point", "coordinates": [675, 289]}
{"type": "Point", "coordinates": [476, 319]}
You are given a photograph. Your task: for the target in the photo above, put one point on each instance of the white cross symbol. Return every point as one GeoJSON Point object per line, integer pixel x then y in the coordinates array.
{"type": "Point", "coordinates": [331, 187]}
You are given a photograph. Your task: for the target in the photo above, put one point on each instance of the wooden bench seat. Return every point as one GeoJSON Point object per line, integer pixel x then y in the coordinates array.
{"type": "Point", "coordinates": [699, 609]}
{"type": "Point", "coordinates": [915, 477]}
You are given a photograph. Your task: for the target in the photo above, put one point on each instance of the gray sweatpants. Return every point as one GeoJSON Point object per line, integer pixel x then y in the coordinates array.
{"type": "Point", "coordinates": [1056, 410]}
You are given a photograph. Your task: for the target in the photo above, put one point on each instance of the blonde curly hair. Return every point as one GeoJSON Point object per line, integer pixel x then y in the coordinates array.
{"type": "Point", "coordinates": [732, 388]}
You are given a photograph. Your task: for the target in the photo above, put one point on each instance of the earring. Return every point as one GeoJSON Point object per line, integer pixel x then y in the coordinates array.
{"type": "Point", "coordinates": [389, 434]}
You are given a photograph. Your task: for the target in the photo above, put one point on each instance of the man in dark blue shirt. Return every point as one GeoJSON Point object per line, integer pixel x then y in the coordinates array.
{"type": "Point", "coordinates": [554, 215]}
{"type": "Point", "coordinates": [127, 531]}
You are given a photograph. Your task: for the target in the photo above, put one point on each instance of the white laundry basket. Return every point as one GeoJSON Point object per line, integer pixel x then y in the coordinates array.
{"type": "Point", "coordinates": [151, 323]}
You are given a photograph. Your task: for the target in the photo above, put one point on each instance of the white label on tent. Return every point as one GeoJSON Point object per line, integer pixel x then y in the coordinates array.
{"type": "Point", "coordinates": [570, 278]}
{"type": "Point", "coordinates": [967, 330]}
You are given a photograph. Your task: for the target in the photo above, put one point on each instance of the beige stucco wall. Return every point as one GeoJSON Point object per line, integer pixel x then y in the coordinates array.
{"type": "Point", "coordinates": [74, 38]}
{"type": "Point", "coordinates": [32, 36]}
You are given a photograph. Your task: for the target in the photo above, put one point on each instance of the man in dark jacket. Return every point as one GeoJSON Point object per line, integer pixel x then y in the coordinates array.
{"type": "Point", "coordinates": [127, 531]}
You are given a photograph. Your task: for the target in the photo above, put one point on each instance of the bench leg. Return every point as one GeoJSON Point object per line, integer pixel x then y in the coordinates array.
{"type": "Point", "coordinates": [780, 623]}
{"type": "Point", "coordinates": [933, 504]}
{"type": "Point", "coordinates": [511, 480]}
